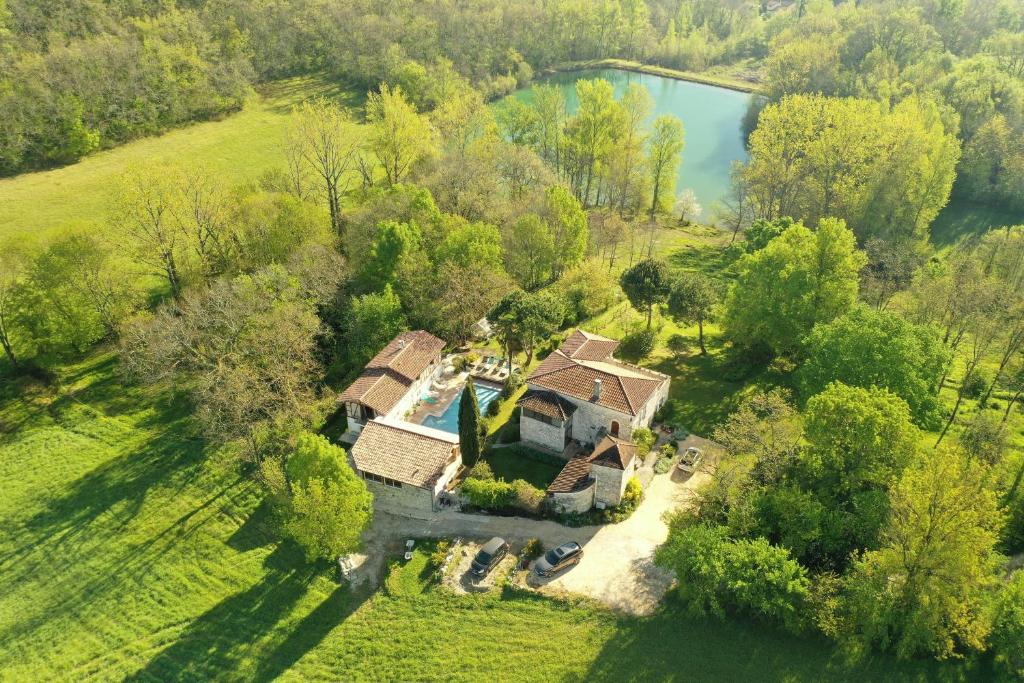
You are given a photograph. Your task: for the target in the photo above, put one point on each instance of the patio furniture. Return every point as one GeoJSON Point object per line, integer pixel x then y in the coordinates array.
{"type": "Point", "coordinates": [408, 548]}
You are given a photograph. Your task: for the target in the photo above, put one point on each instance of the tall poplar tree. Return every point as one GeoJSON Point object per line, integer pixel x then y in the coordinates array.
{"type": "Point", "coordinates": [469, 425]}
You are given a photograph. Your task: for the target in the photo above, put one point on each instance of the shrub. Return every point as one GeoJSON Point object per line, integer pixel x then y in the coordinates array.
{"type": "Point", "coordinates": [678, 345]}
{"type": "Point", "coordinates": [528, 497]}
{"type": "Point", "coordinates": [665, 455]}
{"type": "Point", "coordinates": [975, 384]}
{"type": "Point", "coordinates": [644, 439]}
{"type": "Point", "coordinates": [717, 574]}
{"type": "Point", "coordinates": [672, 409]}
{"type": "Point", "coordinates": [481, 470]}
{"type": "Point", "coordinates": [489, 493]}
{"type": "Point", "coordinates": [1008, 627]}
{"type": "Point", "coordinates": [639, 344]}
{"type": "Point", "coordinates": [459, 363]}
{"type": "Point", "coordinates": [439, 555]}
{"type": "Point", "coordinates": [512, 384]}
{"type": "Point", "coordinates": [493, 408]}
{"type": "Point", "coordinates": [632, 496]}
{"type": "Point", "coordinates": [533, 549]}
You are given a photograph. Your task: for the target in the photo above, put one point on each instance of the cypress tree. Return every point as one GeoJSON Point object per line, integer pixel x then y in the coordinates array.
{"type": "Point", "coordinates": [469, 426]}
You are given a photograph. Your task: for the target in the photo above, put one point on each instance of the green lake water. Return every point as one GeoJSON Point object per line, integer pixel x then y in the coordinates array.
{"type": "Point", "coordinates": [712, 119]}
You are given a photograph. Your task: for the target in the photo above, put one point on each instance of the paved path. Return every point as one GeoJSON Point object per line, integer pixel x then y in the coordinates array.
{"type": "Point", "coordinates": [617, 565]}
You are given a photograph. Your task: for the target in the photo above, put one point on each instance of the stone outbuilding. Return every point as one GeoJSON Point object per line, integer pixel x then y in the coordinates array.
{"type": "Point", "coordinates": [406, 466]}
{"type": "Point", "coordinates": [582, 392]}
{"type": "Point", "coordinates": [594, 479]}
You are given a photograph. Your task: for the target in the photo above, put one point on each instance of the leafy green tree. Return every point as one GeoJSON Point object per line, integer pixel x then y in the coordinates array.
{"type": "Point", "coordinates": [647, 283]}
{"type": "Point", "coordinates": [1007, 637]}
{"type": "Point", "coordinates": [530, 251]}
{"type": "Point", "coordinates": [801, 278]}
{"type": "Point", "coordinates": [664, 150]}
{"type": "Point", "coordinates": [869, 348]}
{"type": "Point", "coordinates": [568, 225]}
{"type": "Point", "coordinates": [373, 321]}
{"type": "Point", "coordinates": [522, 319]}
{"type": "Point", "coordinates": [394, 241]}
{"type": "Point", "coordinates": [399, 136]}
{"type": "Point", "coordinates": [330, 506]}
{"type": "Point", "coordinates": [472, 244]}
{"type": "Point", "coordinates": [924, 590]}
{"type": "Point", "coordinates": [470, 441]}
{"type": "Point", "coordinates": [591, 134]}
{"type": "Point", "coordinates": [691, 301]}
{"type": "Point", "coordinates": [763, 231]}
{"type": "Point", "coordinates": [717, 574]}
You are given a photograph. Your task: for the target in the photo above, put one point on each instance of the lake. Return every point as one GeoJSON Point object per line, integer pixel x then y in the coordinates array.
{"type": "Point", "coordinates": [712, 118]}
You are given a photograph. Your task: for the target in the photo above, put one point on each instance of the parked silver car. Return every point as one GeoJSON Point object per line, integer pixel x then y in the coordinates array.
{"type": "Point", "coordinates": [557, 559]}
{"type": "Point", "coordinates": [691, 459]}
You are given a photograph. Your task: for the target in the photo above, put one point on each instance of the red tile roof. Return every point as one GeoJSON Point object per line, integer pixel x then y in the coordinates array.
{"type": "Point", "coordinates": [409, 453]}
{"type": "Point", "coordinates": [547, 403]}
{"type": "Point", "coordinates": [575, 476]}
{"type": "Point", "coordinates": [391, 372]}
{"type": "Point", "coordinates": [613, 452]}
{"type": "Point", "coordinates": [583, 358]}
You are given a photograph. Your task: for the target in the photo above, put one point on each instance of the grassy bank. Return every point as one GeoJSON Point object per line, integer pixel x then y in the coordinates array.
{"type": "Point", "coordinates": [725, 79]}
{"type": "Point", "coordinates": [237, 149]}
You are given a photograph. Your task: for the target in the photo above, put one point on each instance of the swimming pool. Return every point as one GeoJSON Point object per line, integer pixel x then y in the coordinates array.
{"type": "Point", "coordinates": [449, 419]}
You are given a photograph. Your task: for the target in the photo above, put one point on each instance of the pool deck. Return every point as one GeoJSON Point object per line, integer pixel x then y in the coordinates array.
{"type": "Point", "coordinates": [423, 409]}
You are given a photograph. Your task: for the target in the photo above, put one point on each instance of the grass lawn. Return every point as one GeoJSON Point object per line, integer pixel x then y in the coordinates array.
{"type": "Point", "coordinates": [512, 463]}
{"type": "Point", "coordinates": [962, 219]}
{"type": "Point", "coordinates": [131, 551]}
{"type": "Point", "coordinates": [237, 148]}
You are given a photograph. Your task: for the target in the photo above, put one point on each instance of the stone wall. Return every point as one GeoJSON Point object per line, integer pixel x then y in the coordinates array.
{"type": "Point", "coordinates": [576, 501]}
{"type": "Point", "coordinates": [399, 500]}
{"type": "Point", "coordinates": [611, 482]}
{"type": "Point", "coordinates": [541, 433]}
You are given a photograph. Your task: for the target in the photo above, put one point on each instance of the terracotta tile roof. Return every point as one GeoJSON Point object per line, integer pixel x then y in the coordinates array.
{"type": "Point", "coordinates": [613, 452]}
{"type": "Point", "coordinates": [547, 403]}
{"type": "Point", "coordinates": [584, 358]}
{"type": "Point", "coordinates": [392, 371]}
{"type": "Point", "coordinates": [575, 476]}
{"type": "Point", "coordinates": [412, 454]}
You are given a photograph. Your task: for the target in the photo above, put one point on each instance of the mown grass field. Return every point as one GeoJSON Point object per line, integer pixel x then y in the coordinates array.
{"type": "Point", "coordinates": [237, 148]}
{"type": "Point", "coordinates": [130, 551]}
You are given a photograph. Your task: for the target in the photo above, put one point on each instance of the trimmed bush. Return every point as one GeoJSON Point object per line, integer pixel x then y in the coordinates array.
{"type": "Point", "coordinates": [639, 344]}
{"type": "Point", "coordinates": [644, 439]}
{"type": "Point", "coordinates": [489, 494]}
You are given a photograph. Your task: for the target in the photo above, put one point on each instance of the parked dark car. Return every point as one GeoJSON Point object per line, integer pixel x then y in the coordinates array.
{"type": "Point", "coordinates": [557, 559]}
{"type": "Point", "coordinates": [489, 555]}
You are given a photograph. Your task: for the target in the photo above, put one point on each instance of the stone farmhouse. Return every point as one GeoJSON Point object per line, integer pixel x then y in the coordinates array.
{"type": "Point", "coordinates": [394, 379]}
{"type": "Point", "coordinates": [405, 465]}
{"type": "Point", "coordinates": [581, 395]}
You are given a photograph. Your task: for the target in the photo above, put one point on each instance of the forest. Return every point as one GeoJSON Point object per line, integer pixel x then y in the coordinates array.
{"type": "Point", "coordinates": [864, 378]}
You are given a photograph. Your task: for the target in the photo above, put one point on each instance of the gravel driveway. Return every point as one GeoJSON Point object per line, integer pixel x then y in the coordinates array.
{"type": "Point", "coordinates": [617, 566]}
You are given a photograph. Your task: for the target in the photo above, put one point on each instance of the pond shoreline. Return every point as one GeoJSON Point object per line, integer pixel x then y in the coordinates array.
{"type": "Point", "coordinates": [664, 72]}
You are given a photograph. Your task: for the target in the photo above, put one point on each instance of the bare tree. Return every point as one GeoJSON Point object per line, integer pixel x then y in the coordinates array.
{"type": "Point", "coordinates": [203, 214]}
{"type": "Point", "coordinates": [144, 213]}
{"type": "Point", "coordinates": [735, 210]}
{"type": "Point", "coordinates": [326, 138]}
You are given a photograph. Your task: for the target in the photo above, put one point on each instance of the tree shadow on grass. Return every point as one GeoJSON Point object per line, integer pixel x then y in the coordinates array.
{"type": "Point", "coordinates": [230, 632]}
{"type": "Point", "coordinates": [671, 645]}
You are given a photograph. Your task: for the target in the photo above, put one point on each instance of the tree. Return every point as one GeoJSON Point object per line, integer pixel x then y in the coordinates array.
{"type": "Point", "coordinates": [923, 591]}
{"type": "Point", "coordinates": [590, 135]}
{"type": "Point", "coordinates": [800, 279]}
{"type": "Point", "coordinates": [885, 171]}
{"type": "Point", "coordinates": [735, 209]}
{"type": "Point", "coordinates": [329, 141]}
{"type": "Point", "coordinates": [143, 213]}
{"type": "Point", "coordinates": [691, 301]}
{"type": "Point", "coordinates": [1007, 636]}
{"type": "Point", "coordinates": [329, 506]}
{"type": "Point", "coordinates": [664, 150]}
{"type": "Point", "coordinates": [678, 345]}
{"type": "Point", "coordinates": [246, 351]}
{"type": "Point", "coordinates": [394, 242]}
{"type": "Point", "coordinates": [687, 206]}
{"type": "Point", "coordinates": [530, 251]}
{"type": "Point", "coordinates": [400, 137]}
{"type": "Point", "coordinates": [646, 284]}
{"type": "Point", "coordinates": [522, 318]}
{"type": "Point", "coordinates": [470, 442]}
{"type": "Point", "coordinates": [750, 576]}
{"type": "Point", "coordinates": [568, 226]}
{"type": "Point", "coordinates": [373, 321]}
{"type": "Point", "coordinates": [12, 267]}
{"type": "Point", "coordinates": [870, 348]}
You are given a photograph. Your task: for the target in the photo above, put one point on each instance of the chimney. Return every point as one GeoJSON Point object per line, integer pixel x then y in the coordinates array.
{"type": "Point", "coordinates": [597, 390]}
{"type": "Point", "coordinates": [401, 344]}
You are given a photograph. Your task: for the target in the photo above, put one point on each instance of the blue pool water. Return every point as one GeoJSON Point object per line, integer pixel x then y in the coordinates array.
{"type": "Point", "coordinates": [449, 419]}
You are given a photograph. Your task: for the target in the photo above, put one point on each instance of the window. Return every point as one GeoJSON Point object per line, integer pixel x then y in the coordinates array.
{"type": "Point", "coordinates": [393, 483]}
{"type": "Point", "coordinates": [615, 428]}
